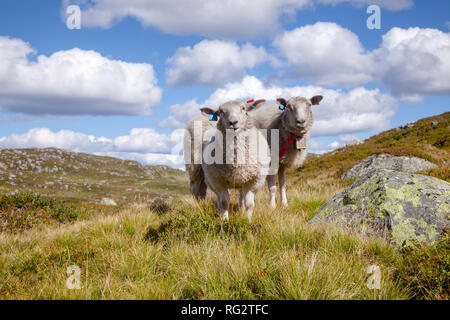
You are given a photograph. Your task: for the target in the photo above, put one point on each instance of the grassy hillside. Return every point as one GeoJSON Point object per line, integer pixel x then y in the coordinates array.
{"type": "Point", "coordinates": [428, 138]}
{"type": "Point", "coordinates": [181, 249]}
{"type": "Point", "coordinates": [81, 177]}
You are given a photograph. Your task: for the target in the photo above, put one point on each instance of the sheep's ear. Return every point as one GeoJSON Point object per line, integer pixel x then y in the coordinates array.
{"type": "Point", "coordinates": [253, 105]}
{"type": "Point", "coordinates": [212, 114]}
{"type": "Point", "coordinates": [207, 111]}
{"type": "Point", "coordinates": [315, 100]}
{"type": "Point", "coordinates": [281, 103]}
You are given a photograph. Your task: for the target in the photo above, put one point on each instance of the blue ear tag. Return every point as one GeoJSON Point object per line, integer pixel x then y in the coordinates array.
{"type": "Point", "coordinates": [252, 107]}
{"type": "Point", "coordinates": [212, 117]}
{"type": "Point", "coordinates": [282, 106]}
{"type": "Point", "coordinates": [314, 101]}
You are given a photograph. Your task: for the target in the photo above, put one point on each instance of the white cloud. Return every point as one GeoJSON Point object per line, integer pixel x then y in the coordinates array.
{"type": "Point", "coordinates": [147, 140]}
{"type": "Point", "coordinates": [142, 144]}
{"type": "Point", "coordinates": [414, 62]}
{"type": "Point", "coordinates": [65, 139]}
{"type": "Point", "coordinates": [395, 5]}
{"type": "Point", "coordinates": [213, 63]}
{"type": "Point", "coordinates": [348, 137]}
{"type": "Point", "coordinates": [179, 114]}
{"type": "Point", "coordinates": [411, 63]}
{"type": "Point", "coordinates": [236, 19]}
{"type": "Point", "coordinates": [340, 112]}
{"type": "Point", "coordinates": [357, 110]}
{"type": "Point", "coordinates": [326, 53]}
{"type": "Point", "coordinates": [73, 82]}
{"type": "Point", "coordinates": [231, 19]}
{"type": "Point", "coordinates": [320, 147]}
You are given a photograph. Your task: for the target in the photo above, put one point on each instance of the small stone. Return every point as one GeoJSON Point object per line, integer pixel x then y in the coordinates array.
{"type": "Point", "coordinates": [108, 202]}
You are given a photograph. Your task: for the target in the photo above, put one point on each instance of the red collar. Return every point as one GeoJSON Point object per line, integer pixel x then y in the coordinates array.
{"type": "Point", "coordinates": [286, 145]}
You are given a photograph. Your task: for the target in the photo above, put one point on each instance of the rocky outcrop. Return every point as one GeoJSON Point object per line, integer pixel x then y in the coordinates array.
{"type": "Point", "coordinates": [354, 142]}
{"type": "Point", "coordinates": [385, 161]}
{"type": "Point", "coordinates": [401, 207]}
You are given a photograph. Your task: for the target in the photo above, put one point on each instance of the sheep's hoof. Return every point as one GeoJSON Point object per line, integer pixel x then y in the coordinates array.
{"type": "Point", "coordinates": [225, 216]}
{"type": "Point", "coordinates": [273, 205]}
{"type": "Point", "coordinates": [285, 204]}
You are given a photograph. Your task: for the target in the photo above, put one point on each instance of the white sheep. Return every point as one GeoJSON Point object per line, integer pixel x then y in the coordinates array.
{"type": "Point", "coordinates": [293, 118]}
{"type": "Point", "coordinates": [195, 137]}
{"type": "Point", "coordinates": [194, 140]}
{"type": "Point", "coordinates": [236, 157]}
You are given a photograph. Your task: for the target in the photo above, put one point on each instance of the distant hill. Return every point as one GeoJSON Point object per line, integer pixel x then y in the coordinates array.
{"type": "Point", "coordinates": [84, 177]}
{"type": "Point", "coordinates": [428, 138]}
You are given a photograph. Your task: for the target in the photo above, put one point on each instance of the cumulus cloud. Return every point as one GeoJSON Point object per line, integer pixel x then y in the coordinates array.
{"type": "Point", "coordinates": [320, 147]}
{"type": "Point", "coordinates": [73, 82]}
{"type": "Point", "coordinates": [237, 19]}
{"type": "Point", "coordinates": [411, 63]}
{"type": "Point", "coordinates": [179, 114]}
{"type": "Point", "coordinates": [65, 139]}
{"type": "Point", "coordinates": [326, 53]}
{"type": "Point", "coordinates": [414, 62]}
{"type": "Point", "coordinates": [213, 63]}
{"type": "Point", "coordinates": [232, 19]}
{"type": "Point", "coordinates": [340, 112]}
{"type": "Point", "coordinates": [142, 144]}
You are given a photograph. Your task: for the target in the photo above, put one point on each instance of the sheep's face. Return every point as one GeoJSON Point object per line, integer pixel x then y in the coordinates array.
{"type": "Point", "coordinates": [233, 115]}
{"type": "Point", "coordinates": [298, 117]}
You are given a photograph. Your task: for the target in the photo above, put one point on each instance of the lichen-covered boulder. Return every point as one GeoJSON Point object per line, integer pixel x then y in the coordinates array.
{"type": "Point", "coordinates": [402, 207]}
{"type": "Point", "coordinates": [385, 161]}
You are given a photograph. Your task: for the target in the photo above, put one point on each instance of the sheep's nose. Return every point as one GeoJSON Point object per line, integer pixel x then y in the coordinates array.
{"type": "Point", "coordinates": [300, 123]}
{"type": "Point", "coordinates": [233, 123]}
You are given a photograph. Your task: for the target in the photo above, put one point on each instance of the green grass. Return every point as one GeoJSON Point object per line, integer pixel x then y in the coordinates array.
{"type": "Point", "coordinates": [426, 270]}
{"type": "Point", "coordinates": [190, 253]}
{"type": "Point", "coordinates": [23, 211]}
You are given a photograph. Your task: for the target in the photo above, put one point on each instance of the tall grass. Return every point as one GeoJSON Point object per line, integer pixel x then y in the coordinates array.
{"type": "Point", "coordinates": [188, 252]}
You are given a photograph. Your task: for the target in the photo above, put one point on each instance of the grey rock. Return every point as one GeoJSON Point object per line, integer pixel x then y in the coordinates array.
{"type": "Point", "coordinates": [385, 161]}
{"type": "Point", "coordinates": [354, 142]}
{"type": "Point", "coordinates": [108, 202]}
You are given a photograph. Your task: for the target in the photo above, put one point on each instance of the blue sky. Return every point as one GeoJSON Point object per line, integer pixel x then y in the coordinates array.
{"type": "Point", "coordinates": [136, 78]}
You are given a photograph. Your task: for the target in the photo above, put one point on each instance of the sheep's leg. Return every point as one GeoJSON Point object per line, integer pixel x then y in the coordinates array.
{"type": "Point", "coordinates": [202, 190]}
{"type": "Point", "coordinates": [198, 189]}
{"type": "Point", "coordinates": [223, 203]}
{"type": "Point", "coordinates": [249, 200]}
{"type": "Point", "coordinates": [241, 201]}
{"type": "Point", "coordinates": [272, 185]}
{"type": "Point", "coordinates": [282, 181]}
{"type": "Point", "coordinates": [197, 184]}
